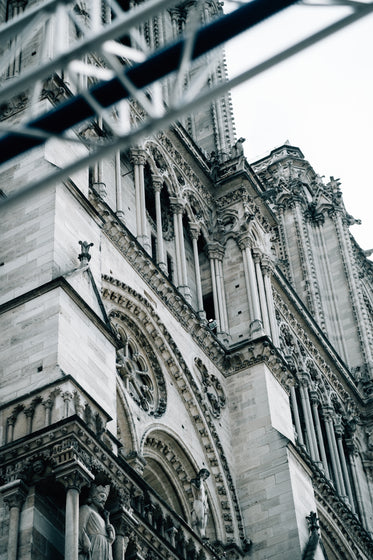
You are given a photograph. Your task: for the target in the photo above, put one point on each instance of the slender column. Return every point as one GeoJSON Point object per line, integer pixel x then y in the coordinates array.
{"type": "Point", "coordinates": [214, 294]}
{"type": "Point", "coordinates": [262, 297]}
{"type": "Point", "coordinates": [316, 418]}
{"type": "Point", "coordinates": [98, 181]}
{"type": "Point", "coordinates": [118, 186]}
{"type": "Point", "coordinates": [48, 404]}
{"type": "Point", "coordinates": [157, 185]}
{"type": "Point", "coordinates": [328, 416]}
{"type": "Point", "coordinates": [138, 160]}
{"type": "Point", "coordinates": [294, 404]}
{"type": "Point", "coordinates": [123, 527]}
{"type": "Point", "coordinates": [338, 428]}
{"type": "Point", "coordinates": [73, 476]}
{"type": "Point", "coordinates": [14, 494]}
{"type": "Point", "coordinates": [222, 291]}
{"type": "Point", "coordinates": [215, 253]}
{"type": "Point", "coordinates": [177, 206]}
{"type": "Point", "coordinates": [194, 233]}
{"type": "Point", "coordinates": [355, 476]}
{"type": "Point", "coordinates": [267, 269]}
{"type": "Point", "coordinates": [308, 419]}
{"type": "Point", "coordinates": [256, 327]}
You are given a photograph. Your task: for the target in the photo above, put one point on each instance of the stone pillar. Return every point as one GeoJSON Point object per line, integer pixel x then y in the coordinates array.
{"type": "Point", "coordinates": [316, 418]}
{"type": "Point", "coordinates": [14, 494]}
{"type": "Point", "coordinates": [328, 416]}
{"type": "Point", "coordinates": [118, 187]}
{"type": "Point", "coordinates": [73, 476]}
{"type": "Point", "coordinates": [177, 207]}
{"type": "Point", "coordinates": [294, 405]}
{"type": "Point", "coordinates": [267, 271]}
{"type": "Point", "coordinates": [215, 252]}
{"type": "Point", "coordinates": [256, 326]}
{"type": "Point", "coordinates": [194, 233]}
{"type": "Point", "coordinates": [157, 185]}
{"type": "Point", "coordinates": [355, 477]}
{"type": "Point", "coordinates": [123, 524]}
{"type": "Point", "coordinates": [338, 428]}
{"type": "Point", "coordinates": [97, 179]}
{"type": "Point", "coordinates": [262, 297]}
{"type": "Point", "coordinates": [48, 404]}
{"type": "Point", "coordinates": [314, 452]}
{"type": "Point", "coordinates": [138, 159]}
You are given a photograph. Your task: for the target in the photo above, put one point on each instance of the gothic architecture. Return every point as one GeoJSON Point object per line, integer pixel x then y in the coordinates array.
{"type": "Point", "coordinates": [186, 351]}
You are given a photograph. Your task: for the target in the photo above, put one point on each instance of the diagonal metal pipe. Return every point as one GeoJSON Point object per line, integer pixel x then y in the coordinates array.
{"type": "Point", "coordinates": [157, 66]}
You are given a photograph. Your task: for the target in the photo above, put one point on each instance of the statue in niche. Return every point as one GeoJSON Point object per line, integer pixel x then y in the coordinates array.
{"type": "Point", "coordinates": [200, 506]}
{"type": "Point", "coordinates": [96, 534]}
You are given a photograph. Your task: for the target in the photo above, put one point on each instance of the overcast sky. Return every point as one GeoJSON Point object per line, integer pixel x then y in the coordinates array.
{"type": "Point", "coordinates": [321, 100]}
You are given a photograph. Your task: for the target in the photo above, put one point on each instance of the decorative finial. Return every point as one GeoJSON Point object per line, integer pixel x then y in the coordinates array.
{"type": "Point", "coordinates": [84, 256]}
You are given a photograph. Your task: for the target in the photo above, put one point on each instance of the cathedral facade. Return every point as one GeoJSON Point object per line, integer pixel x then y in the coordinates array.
{"type": "Point", "coordinates": [186, 352]}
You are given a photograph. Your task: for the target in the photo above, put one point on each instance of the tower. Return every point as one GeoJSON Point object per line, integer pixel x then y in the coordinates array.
{"type": "Point", "coordinates": [174, 346]}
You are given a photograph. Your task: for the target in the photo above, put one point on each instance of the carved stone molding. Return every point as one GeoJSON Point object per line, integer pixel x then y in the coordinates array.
{"type": "Point", "coordinates": [123, 297]}
{"type": "Point", "coordinates": [14, 493]}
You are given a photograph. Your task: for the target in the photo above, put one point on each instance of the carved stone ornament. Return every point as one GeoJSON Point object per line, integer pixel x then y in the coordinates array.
{"type": "Point", "coordinates": [140, 372]}
{"type": "Point", "coordinates": [212, 388]}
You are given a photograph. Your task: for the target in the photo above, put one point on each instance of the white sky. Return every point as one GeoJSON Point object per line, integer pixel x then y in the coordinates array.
{"type": "Point", "coordinates": [321, 100]}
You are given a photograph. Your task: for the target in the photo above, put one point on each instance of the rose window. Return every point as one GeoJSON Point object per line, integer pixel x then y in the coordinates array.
{"type": "Point", "coordinates": [140, 373]}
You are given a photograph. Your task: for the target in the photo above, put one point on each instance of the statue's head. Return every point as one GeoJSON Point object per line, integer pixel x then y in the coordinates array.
{"type": "Point", "coordinates": [98, 494]}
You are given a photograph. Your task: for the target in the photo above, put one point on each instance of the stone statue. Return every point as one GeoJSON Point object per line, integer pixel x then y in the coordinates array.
{"type": "Point", "coordinates": [96, 534]}
{"type": "Point", "coordinates": [200, 506]}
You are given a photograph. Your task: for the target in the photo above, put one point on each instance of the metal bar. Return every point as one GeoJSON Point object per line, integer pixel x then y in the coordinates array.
{"type": "Point", "coordinates": [157, 66]}
{"type": "Point", "coordinates": [116, 29]}
{"type": "Point", "coordinates": [175, 113]}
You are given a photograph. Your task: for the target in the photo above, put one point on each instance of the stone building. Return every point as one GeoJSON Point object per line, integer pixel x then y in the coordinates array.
{"type": "Point", "coordinates": [192, 333]}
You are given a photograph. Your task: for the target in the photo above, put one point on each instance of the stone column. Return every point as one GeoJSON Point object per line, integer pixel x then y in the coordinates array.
{"type": "Point", "coordinates": [339, 430]}
{"type": "Point", "coordinates": [294, 404]}
{"type": "Point", "coordinates": [97, 179]}
{"type": "Point", "coordinates": [138, 158]}
{"type": "Point", "coordinates": [328, 417]}
{"type": "Point", "coordinates": [262, 297]}
{"type": "Point", "coordinates": [177, 207]}
{"type": "Point", "coordinates": [123, 524]}
{"type": "Point", "coordinates": [316, 418]}
{"type": "Point", "coordinates": [215, 253]}
{"type": "Point", "coordinates": [195, 229]}
{"type": "Point", "coordinates": [256, 326]}
{"type": "Point", "coordinates": [267, 271]}
{"type": "Point", "coordinates": [14, 494]}
{"type": "Point", "coordinates": [118, 187]}
{"type": "Point", "coordinates": [355, 477]}
{"type": "Point", "coordinates": [157, 185]}
{"type": "Point", "coordinates": [314, 452]}
{"type": "Point", "coordinates": [73, 476]}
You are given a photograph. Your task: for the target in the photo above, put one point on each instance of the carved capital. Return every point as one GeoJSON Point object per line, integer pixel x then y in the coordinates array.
{"type": "Point", "coordinates": [195, 230]}
{"type": "Point", "coordinates": [328, 412]}
{"type": "Point", "coordinates": [215, 251]}
{"type": "Point", "coordinates": [14, 493]}
{"type": "Point", "coordinates": [73, 475]}
{"type": "Point", "coordinates": [157, 182]}
{"type": "Point", "coordinates": [138, 156]}
{"type": "Point", "coordinates": [177, 205]}
{"type": "Point", "coordinates": [257, 255]}
{"type": "Point", "coordinates": [267, 266]}
{"type": "Point", "coordinates": [244, 242]}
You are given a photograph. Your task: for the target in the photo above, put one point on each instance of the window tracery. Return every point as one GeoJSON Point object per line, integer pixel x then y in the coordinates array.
{"type": "Point", "coordinates": [140, 373]}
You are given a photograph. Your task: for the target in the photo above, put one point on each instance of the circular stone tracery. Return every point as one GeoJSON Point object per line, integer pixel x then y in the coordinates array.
{"type": "Point", "coordinates": [139, 370]}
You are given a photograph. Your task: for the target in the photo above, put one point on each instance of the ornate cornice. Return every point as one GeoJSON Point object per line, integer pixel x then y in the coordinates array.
{"type": "Point", "coordinates": [70, 453]}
